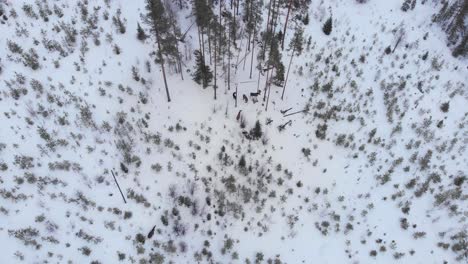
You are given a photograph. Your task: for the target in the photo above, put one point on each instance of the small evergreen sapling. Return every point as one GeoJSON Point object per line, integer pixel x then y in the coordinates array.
{"type": "Point", "coordinates": [202, 74]}
{"type": "Point", "coordinates": [306, 20]}
{"type": "Point", "coordinates": [141, 35]}
{"type": "Point", "coordinates": [328, 26]}
{"type": "Point", "coordinates": [256, 132]}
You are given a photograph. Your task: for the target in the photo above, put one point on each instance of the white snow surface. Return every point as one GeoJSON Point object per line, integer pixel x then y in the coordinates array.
{"type": "Point", "coordinates": [339, 189]}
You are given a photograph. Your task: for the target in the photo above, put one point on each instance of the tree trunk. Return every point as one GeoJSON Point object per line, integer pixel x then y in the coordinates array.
{"type": "Point", "coordinates": [251, 60]}
{"type": "Point", "coordinates": [229, 57]}
{"type": "Point", "coordinates": [274, 18]}
{"type": "Point", "coordinates": [268, 98]}
{"type": "Point", "coordinates": [258, 82]}
{"type": "Point", "coordinates": [162, 67]}
{"type": "Point", "coordinates": [234, 31]}
{"type": "Point", "coordinates": [236, 97]}
{"type": "Point", "coordinates": [215, 77]}
{"type": "Point", "coordinates": [199, 39]}
{"type": "Point", "coordinates": [398, 42]}
{"type": "Point", "coordinates": [287, 74]}
{"type": "Point", "coordinates": [203, 46]}
{"type": "Point", "coordinates": [238, 53]}
{"type": "Point", "coordinates": [179, 60]}
{"type": "Point", "coordinates": [180, 67]}
{"type": "Point", "coordinates": [246, 52]}
{"type": "Point", "coordinates": [209, 42]}
{"type": "Point", "coordinates": [215, 62]}
{"type": "Point", "coordinates": [267, 29]}
{"type": "Point", "coordinates": [276, 14]}
{"type": "Point", "coordinates": [253, 47]}
{"type": "Point", "coordinates": [286, 24]}
{"type": "Point", "coordinates": [250, 20]}
{"type": "Point", "coordinates": [221, 26]}
{"type": "Point", "coordinates": [266, 85]}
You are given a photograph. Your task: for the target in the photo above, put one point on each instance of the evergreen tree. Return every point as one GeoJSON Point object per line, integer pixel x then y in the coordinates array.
{"type": "Point", "coordinates": [286, 23]}
{"type": "Point", "coordinates": [229, 31]}
{"type": "Point", "coordinates": [141, 35]}
{"type": "Point", "coordinates": [233, 28]}
{"type": "Point", "coordinates": [219, 43]}
{"type": "Point", "coordinates": [297, 41]}
{"type": "Point", "coordinates": [202, 74]}
{"type": "Point", "coordinates": [274, 61]}
{"type": "Point", "coordinates": [296, 46]}
{"type": "Point", "coordinates": [203, 15]}
{"type": "Point", "coordinates": [278, 78]}
{"type": "Point", "coordinates": [157, 20]}
{"type": "Point", "coordinates": [327, 27]}
{"type": "Point", "coordinates": [242, 162]}
{"type": "Point", "coordinates": [306, 20]}
{"type": "Point", "coordinates": [452, 18]}
{"type": "Point", "coordinates": [253, 25]}
{"type": "Point", "coordinates": [172, 41]}
{"type": "Point", "coordinates": [256, 132]}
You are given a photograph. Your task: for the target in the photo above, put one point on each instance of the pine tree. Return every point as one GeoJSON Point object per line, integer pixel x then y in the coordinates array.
{"type": "Point", "coordinates": [242, 162]}
{"type": "Point", "coordinates": [141, 35]}
{"type": "Point", "coordinates": [286, 23]}
{"type": "Point", "coordinates": [253, 26]}
{"type": "Point", "coordinates": [203, 15]}
{"type": "Point", "coordinates": [202, 74]}
{"type": "Point", "coordinates": [256, 132]}
{"type": "Point", "coordinates": [216, 28]}
{"type": "Point", "coordinates": [230, 32]}
{"type": "Point", "coordinates": [296, 46]}
{"type": "Point", "coordinates": [306, 20]}
{"type": "Point", "coordinates": [157, 19]}
{"type": "Point", "coordinates": [327, 27]}
{"type": "Point", "coordinates": [297, 41]}
{"type": "Point", "coordinates": [274, 57]}
{"type": "Point", "coordinates": [267, 35]}
{"type": "Point", "coordinates": [452, 18]}
{"type": "Point", "coordinates": [274, 61]}
{"type": "Point", "coordinates": [170, 42]}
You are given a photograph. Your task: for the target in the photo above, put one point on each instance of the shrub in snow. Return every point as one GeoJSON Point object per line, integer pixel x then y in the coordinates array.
{"type": "Point", "coordinates": [321, 131]}
{"type": "Point", "coordinates": [445, 107]}
{"type": "Point", "coordinates": [327, 27]}
{"type": "Point", "coordinates": [256, 132]}
{"type": "Point", "coordinates": [141, 35]}
{"type": "Point", "coordinates": [408, 5]}
{"type": "Point", "coordinates": [118, 23]}
{"type": "Point", "coordinates": [27, 236]}
{"type": "Point", "coordinates": [202, 74]}
{"type": "Point", "coordinates": [31, 59]}
{"type": "Point", "coordinates": [28, 10]}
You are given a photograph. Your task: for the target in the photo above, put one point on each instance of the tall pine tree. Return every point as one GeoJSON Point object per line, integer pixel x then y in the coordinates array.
{"type": "Point", "coordinates": [296, 46]}
{"type": "Point", "coordinates": [156, 19]}
{"type": "Point", "coordinates": [202, 74]}
{"type": "Point", "coordinates": [253, 16]}
{"type": "Point", "coordinates": [274, 61]}
{"type": "Point", "coordinates": [203, 15]}
{"type": "Point", "coordinates": [328, 26]}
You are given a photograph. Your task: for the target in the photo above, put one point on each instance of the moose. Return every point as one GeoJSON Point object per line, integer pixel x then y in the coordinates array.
{"type": "Point", "coordinates": [244, 97]}
{"type": "Point", "coordinates": [259, 92]}
{"type": "Point", "coordinates": [254, 96]}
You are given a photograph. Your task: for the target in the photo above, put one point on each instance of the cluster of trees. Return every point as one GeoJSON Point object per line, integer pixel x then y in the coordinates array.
{"type": "Point", "coordinates": [163, 26]}
{"type": "Point", "coordinates": [230, 33]}
{"type": "Point", "coordinates": [452, 17]}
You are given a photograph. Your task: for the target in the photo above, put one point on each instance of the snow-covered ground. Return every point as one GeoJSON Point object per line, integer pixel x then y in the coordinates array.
{"type": "Point", "coordinates": [373, 172]}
